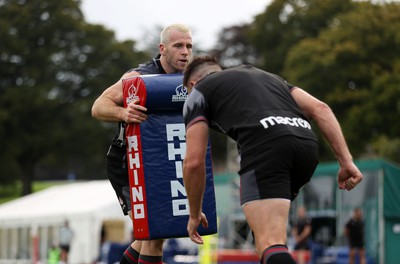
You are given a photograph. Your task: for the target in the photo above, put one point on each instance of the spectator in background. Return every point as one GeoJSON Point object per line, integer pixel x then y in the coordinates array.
{"type": "Point", "coordinates": [354, 231]}
{"type": "Point", "coordinates": [54, 254]}
{"type": "Point", "coordinates": [302, 234]}
{"type": "Point", "coordinates": [104, 247]}
{"type": "Point", "coordinates": [66, 235]}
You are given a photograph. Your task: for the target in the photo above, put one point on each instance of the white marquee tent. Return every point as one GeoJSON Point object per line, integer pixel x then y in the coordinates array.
{"type": "Point", "coordinates": [29, 225]}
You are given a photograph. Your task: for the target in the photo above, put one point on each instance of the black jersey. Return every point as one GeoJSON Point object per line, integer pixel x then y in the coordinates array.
{"type": "Point", "coordinates": [300, 225]}
{"type": "Point", "coordinates": [355, 229]}
{"type": "Point", "coordinates": [151, 67]}
{"type": "Point", "coordinates": [249, 105]}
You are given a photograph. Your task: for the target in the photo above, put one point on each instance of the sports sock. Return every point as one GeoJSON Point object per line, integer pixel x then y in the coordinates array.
{"type": "Point", "coordinates": [277, 254]}
{"type": "Point", "coordinates": [130, 256]}
{"type": "Point", "coordinates": [143, 259]}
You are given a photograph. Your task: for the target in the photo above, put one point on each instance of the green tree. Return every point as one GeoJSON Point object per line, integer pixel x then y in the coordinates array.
{"type": "Point", "coordinates": [53, 66]}
{"type": "Point", "coordinates": [354, 66]}
{"type": "Point", "coordinates": [234, 47]}
{"type": "Point", "coordinates": [285, 22]}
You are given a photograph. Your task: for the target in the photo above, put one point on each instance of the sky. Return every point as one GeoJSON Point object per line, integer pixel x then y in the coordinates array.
{"type": "Point", "coordinates": [131, 19]}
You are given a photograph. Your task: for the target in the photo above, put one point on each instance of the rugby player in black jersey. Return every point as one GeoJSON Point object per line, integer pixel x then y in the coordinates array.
{"type": "Point", "coordinates": [269, 120]}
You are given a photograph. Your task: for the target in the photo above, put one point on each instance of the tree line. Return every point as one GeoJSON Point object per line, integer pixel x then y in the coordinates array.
{"type": "Point", "coordinates": [53, 65]}
{"type": "Point", "coordinates": [346, 53]}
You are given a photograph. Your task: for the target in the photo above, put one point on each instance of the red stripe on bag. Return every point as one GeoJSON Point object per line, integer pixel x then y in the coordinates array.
{"type": "Point", "coordinates": [135, 89]}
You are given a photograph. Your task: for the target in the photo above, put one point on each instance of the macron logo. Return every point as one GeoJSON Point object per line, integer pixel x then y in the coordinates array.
{"type": "Point", "coordinates": [280, 120]}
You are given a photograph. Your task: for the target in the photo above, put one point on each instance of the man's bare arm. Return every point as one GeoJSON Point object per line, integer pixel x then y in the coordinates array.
{"type": "Point", "coordinates": [322, 114]}
{"type": "Point", "coordinates": [109, 106]}
{"type": "Point", "coordinates": [349, 175]}
{"type": "Point", "coordinates": [194, 176]}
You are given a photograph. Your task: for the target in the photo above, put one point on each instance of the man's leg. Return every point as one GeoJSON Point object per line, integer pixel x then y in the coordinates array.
{"type": "Point", "coordinates": [352, 254]}
{"type": "Point", "coordinates": [145, 251]}
{"type": "Point", "coordinates": [64, 254]}
{"type": "Point", "coordinates": [131, 254]}
{"type": "Point", "coordinates": [301, 257]}
{"type": "Point", "coordinates": [361, 254]}
{"type": "Point", "coordinates": [151, 252]}
{"type": "Point", "coordinates": [268, 219]}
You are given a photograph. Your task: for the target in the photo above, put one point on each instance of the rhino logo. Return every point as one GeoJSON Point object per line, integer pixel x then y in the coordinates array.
{"type": "Point", "coordinates": [132, 94]}
{"type": "Point", "coordinates": [181, 93]}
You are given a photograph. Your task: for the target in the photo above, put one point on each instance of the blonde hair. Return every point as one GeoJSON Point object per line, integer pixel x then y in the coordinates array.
{"type": "Point", "coordinates": [165, 33]}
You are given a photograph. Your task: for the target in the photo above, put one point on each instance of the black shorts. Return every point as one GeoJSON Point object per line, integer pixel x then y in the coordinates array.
{"type": "Point", "coordinates": [278, 169]}
{"type": "Point", "coordinates": [358, 244]}
{"type": "Point", "coordinates": [117, 173]}
{"type": "Point", "coordinates": [65, 248]}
